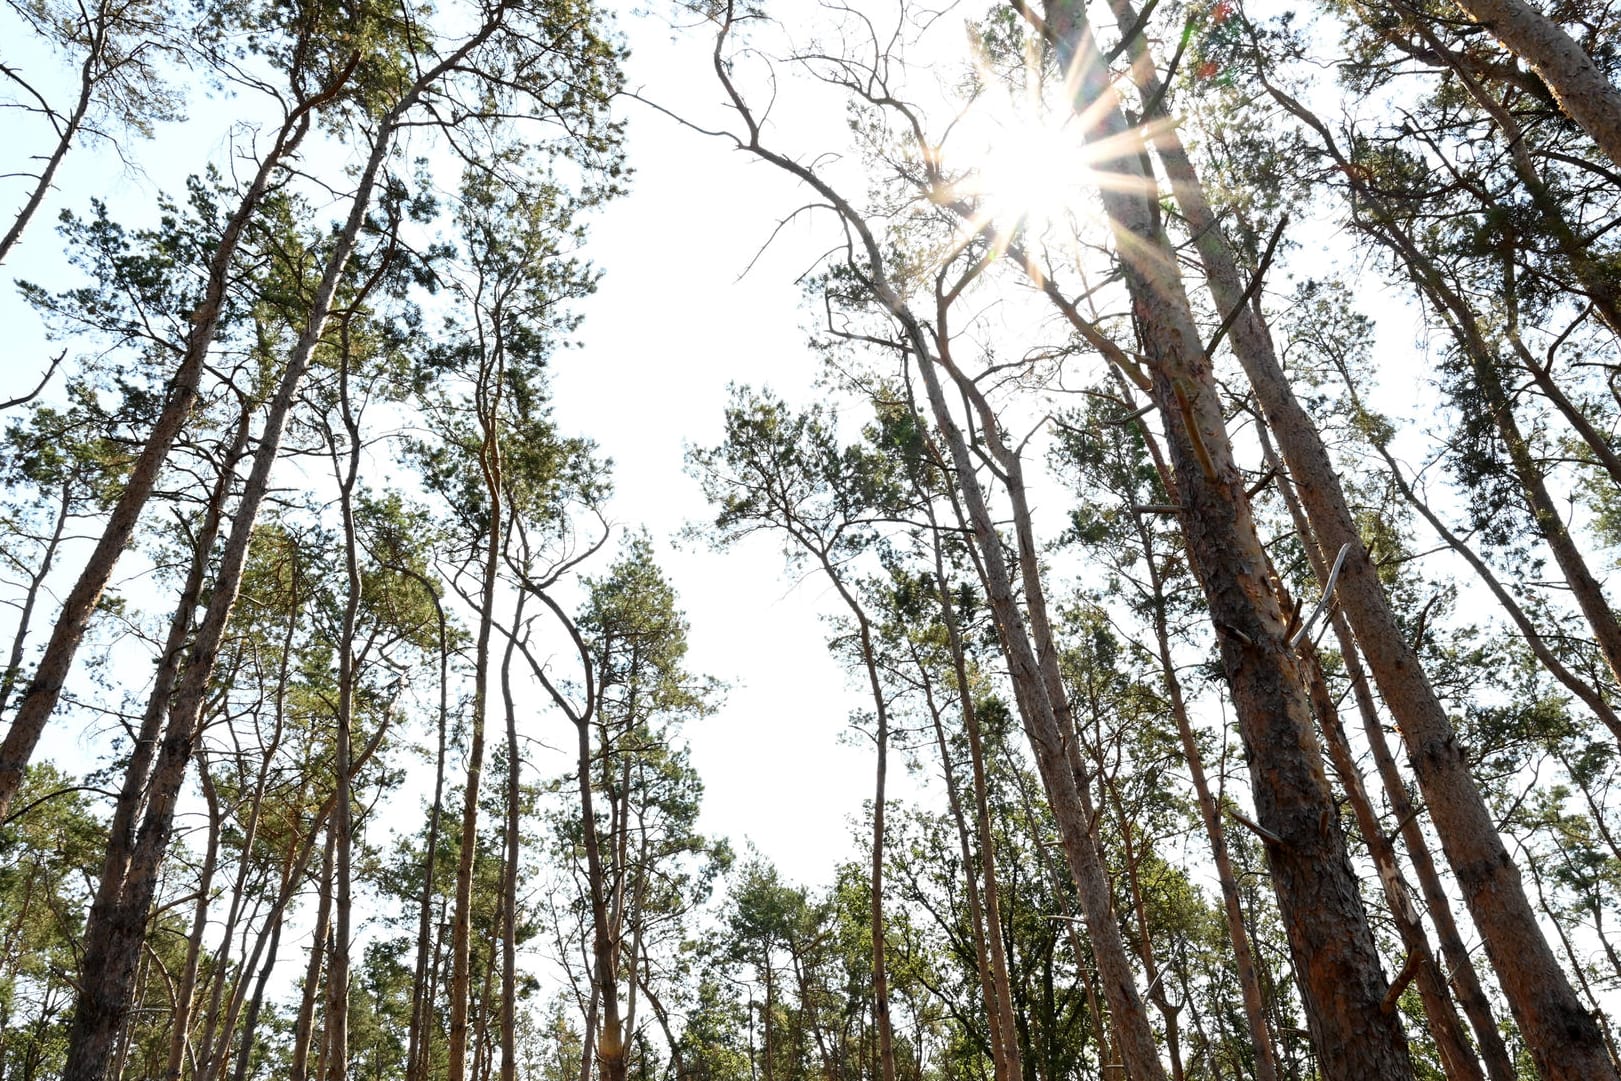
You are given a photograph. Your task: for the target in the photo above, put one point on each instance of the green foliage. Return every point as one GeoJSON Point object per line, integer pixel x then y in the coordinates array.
{"type": "Point", "coordinates": [50, 854]}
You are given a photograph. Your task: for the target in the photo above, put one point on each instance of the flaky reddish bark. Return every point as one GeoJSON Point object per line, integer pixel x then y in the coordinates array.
{"type": "Point", "coordinates": [1342, 984]}
{"type": "Point", "coordinates": [1460, 966]}
{"type": "Point", "coordinates": [1249, 982]}
{"type": "Point", "coordinates": [1563, 1038]}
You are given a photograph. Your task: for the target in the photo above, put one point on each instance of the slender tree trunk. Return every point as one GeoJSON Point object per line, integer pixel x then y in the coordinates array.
{"type": "Point", "coordinates": [419, 1051]}
{"type": "Point", "coordinates": [337, 982]}
{"type": "Point", "coordinates": [1037, 708]}
{"type": "Point", "coordinates": [181, 1019]}
{"type": "Point", "coordinates": [509, 869]}
{"type": "Point", "coordinates": [869, 660]}
{"type": "Point", "coordinates": [1110, 1065]}
{"type": "Point", "coordinates": [1145, 939]}
{"type": "Point", "coordinates": [39, 701]}
{"type": "Point", "coordinates": [1458, 1060]}
{"type": "Point", "coordinates": [880, 974]}
{"type": "Point", "coordinates": [489, 399]}
{"type": "Point", "coordinates": [304, 1028]}
{"type": "Point", "coordinates": [611, 1050]}
{"type": "Point", "coordinates": [25, 616]}
{"type": "Point", "coordinates": [1470, 995]}
{"type": "Point", "coordinates": [250, 1023]}
{"type": "Point", "coordinates": [989, 992]}
{"type": "Point", "coordinates": [1009, 1066]}
{"type": "Point", "coordinates": [1249, 981]}
{"type": "Point", "coordinates": [1042, 705]}
{"type": "Point", "coordinates": [211, 1049]}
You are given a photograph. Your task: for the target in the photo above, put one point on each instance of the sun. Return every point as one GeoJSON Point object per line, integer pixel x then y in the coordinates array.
{"type": "Point", "coordinates": [1022, 163]}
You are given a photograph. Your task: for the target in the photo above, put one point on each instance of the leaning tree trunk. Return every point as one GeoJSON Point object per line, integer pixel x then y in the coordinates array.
{"type": "Point", "coordinates": [875, 913]}
{"type": "Point", "coordinates": [1577, 83]}
{"type": "Point", "coordinates": [39, 700]}
{"type": "Point", "coordinates": [1342, 985]}
{"type": "Point", "coordinates": [1249, 981]}
{"type": "Point", "coordinates": [304, 1026]}
{"type": "Point", "coordinates": [1467, 990]}
{"type": "Point", "coordinates": [1537, 990]}
{"type": "Point", "coordinates": [462, 921]}
{"type": "Point", "coordinates": [1008, 1059]}
{"type": "Point", "coordinates": [337, 984]}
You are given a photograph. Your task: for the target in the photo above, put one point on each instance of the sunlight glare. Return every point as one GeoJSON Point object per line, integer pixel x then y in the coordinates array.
{"type": "Point", "coordinates": [1023, 164]}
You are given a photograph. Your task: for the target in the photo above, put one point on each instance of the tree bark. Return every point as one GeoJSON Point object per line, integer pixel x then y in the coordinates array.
{"type": "Point", "coordinates": [1341, 981]}
{"type": "Point", "coordinates": [1577, 83]}
{"type": "Point", "coordinates": [1467, 990]}
{"type": "Point", "coordinates": [509, 868]}
{"type": "Point", "coordinates": [304, 1028]}
{"type": "Point", "coordinates": [1010, 1064]}
{"type": "Point", "coordinates": [1564, 1041]}
{"type": "Point", "coordinates": [1249, 981]}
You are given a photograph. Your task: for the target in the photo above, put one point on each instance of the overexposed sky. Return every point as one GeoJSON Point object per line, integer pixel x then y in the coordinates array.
{"type": "Point", "coordinates": [672, 325]}
{"type": "Point", "coordinates": [674, 322]}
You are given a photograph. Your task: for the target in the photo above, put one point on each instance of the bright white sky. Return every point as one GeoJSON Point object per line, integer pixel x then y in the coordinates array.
{"type": "Point", "coordinates": [672, 325]}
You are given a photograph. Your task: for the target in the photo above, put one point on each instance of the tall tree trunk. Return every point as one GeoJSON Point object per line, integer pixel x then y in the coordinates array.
{"type": "Point", "coordinates": [1470, 995]}
{"type": "Point", "coordinates": [1037, 708]}
{"type": "Point", "coordinates": [1009, 1065]}
{"type": "Point", "coordinates": [304, 1027]}
{"type": "Point", "coordinates": [1342, 984]}
{"type": "Point", "coordinates": [488, 401]}
{"type": "Point", "coordinates": [250, 1023]}
{"type": "Point", "coordinates": [1133, 857]}
{"type": "Point", "coordinates": [211, 1049]}
{"type": "Point", "coordinates": [509, 868]}
{"type": "Point", "coordinates": [610, 1049]}
{"type": "Point", "coordinates": [1458, 1060]}
{"type": "Point", "coordinates": [1563, 1039]}
{"type": "Point", "coordinates": [1577, 83]}
{"type": "Point", "coordinates": [337, 982]}
{"type": "Point", "coordinates": [181, 1018]}
{"type": "Point", "coordinates": [880, 973]}
{"type": "Point", "coordinates": [1249, 980]}
{"type": "Point", "coordinates": [990, 993]}
{"type": "Point", "coordinates": [36, 580]}
{"type": "Point", "coordinates": [419, 1050]}
{"type": "Point", "coordinates": [39, 700]}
